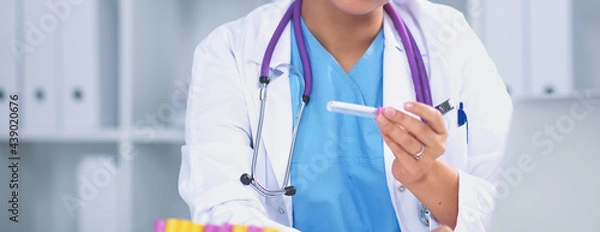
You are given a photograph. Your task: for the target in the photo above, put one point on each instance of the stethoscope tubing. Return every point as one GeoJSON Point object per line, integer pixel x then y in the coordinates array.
{"type": "Point", "coordinates": [418, 73]}
{"type": "Point", "coordinates": [420, 81]}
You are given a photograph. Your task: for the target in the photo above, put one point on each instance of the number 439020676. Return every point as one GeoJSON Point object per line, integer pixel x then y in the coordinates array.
{"type": "Point", "coordinates": [13, 134]}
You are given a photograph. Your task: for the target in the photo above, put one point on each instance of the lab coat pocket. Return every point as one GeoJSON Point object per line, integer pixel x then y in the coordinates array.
{"type": "Point", "coordinates": [451, 114]}
{"type": "Point", "coordinates": [457, 141]}
{"type": "Point", "coordinates": [456, 148]}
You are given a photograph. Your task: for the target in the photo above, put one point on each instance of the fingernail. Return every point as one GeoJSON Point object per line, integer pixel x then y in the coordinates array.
{"type": "Point", "coordinates": [408, 105]}
{"type": "Point", "coordinates": [381, 120]}
{"type": "Point", "coordinates": [380, 110]}
{"type": "Point", "coordinates": [389, 112]}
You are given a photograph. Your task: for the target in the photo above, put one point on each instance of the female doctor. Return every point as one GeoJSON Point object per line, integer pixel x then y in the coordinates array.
{"type": "Point", "coordinates": [427, 160]}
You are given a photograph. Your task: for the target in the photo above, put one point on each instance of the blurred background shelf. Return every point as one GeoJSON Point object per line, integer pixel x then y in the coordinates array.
{"type": "Point", "coordinates": [151, 136]}
{"type": "Point", "coordinates": [132, 86]}
{"type": "Point", "coordinates": [71, 136]}
{"type": "Point", "coordinates": [159, 136]}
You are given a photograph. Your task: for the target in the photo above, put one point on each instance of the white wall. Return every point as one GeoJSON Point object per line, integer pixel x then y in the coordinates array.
{"type": "Point", "coordinates": [550, 179]}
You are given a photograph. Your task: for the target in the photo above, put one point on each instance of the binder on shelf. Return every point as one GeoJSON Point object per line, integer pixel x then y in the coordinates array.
{"type": "Point", "coordinates": [503, 37]}
{"type": "Point", "coordinates": [8, 63]}
{"type": "Point", "coordinates": [89, 61]}
{"type": "Point", "coordinates": [40, 82]}
{"type": "Point", "coordinates": [550, 46]}
{"type": "Point", "coordinates": [97, 186]}
{"type": "Point", "coordinates": [586, 49]}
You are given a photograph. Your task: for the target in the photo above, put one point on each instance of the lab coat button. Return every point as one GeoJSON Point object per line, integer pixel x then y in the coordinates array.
{"type": "Point", "coordinates": [281, 211]}
{"type": "Point", "coordinates": [401, 188]}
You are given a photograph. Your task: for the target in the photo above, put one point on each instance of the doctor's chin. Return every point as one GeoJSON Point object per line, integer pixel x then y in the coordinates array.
{"type": "Point", "coordinates": [299, 115]}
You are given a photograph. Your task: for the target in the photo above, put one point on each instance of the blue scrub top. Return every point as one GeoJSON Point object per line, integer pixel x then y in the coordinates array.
{"type": "Point", "coordinates": [338, 165]}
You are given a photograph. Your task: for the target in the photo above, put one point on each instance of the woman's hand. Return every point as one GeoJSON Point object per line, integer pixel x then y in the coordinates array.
{"type": "Point", "coordinates": [416, 145]}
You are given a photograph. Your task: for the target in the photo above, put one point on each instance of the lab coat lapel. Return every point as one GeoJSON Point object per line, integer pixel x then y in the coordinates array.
{"type": "Point", "coordinates": [445, 78]}
{"type": "Point", "coordinates": [397, 82]}
{"type": "Point", "coordinates": [397, 89]}
{"type": "Point", "coordinates": [277, 128]}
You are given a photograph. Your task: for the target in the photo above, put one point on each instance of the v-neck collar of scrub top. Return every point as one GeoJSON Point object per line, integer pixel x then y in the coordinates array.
{"type": "Point", "coordinates": [314, 45]}
{"type": "Point", "coordinates": [349, 182]}
{"type": "Point", "coordinates": [281, 54]}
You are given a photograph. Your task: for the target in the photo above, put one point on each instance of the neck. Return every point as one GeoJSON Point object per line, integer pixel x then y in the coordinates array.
{"type": "Point", "coordinates": [346, 36]}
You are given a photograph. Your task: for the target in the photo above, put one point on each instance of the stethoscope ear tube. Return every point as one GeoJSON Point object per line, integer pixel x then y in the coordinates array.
{"type": "Point", "coordinates": [290, 190]}
{"type": "Point", "coordinates": [248, 179]}
{"type": "Point", "coordinates": [264, 80]}
{"type": "Point", "coordinates": [415, 61]}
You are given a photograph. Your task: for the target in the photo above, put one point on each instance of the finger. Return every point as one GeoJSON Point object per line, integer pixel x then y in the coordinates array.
{"type": "Point", "coordinates": [420, 130]}
{"type": "Point", "coordinates": [401, 155]}
{"type": "Point", "coordinates": [403, 138]}
{"type": "Point", "coordinates": [430, 114]}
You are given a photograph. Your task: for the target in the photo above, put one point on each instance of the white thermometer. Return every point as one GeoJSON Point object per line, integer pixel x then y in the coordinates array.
{"type": "Point", "coordinates": [353, 109]}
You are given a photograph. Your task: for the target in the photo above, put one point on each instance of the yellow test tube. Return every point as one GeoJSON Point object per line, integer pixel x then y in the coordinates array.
{"type": "Point", "coordinates": [240, 228]}
{"type": "Point", "coordinates": [185, 226]}
{"type": "Point", "coordinates": [197, 228]}
{"type": "Point", "coordinates": [270, 230]}
{"type": "Point", "coordinates": [173, 225]}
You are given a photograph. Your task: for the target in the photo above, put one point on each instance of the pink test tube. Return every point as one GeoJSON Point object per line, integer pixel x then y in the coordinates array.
{"type": "Point", "coordinates": [380, 110]}
{"type": "Point", "coordinates": [159, 225]}
{"type": "Point", "coordinates": [254, 229]}
{"type": "Point", "coordinates": [226, 228]}
{"type": "Point", "coordinates": [211, 228]}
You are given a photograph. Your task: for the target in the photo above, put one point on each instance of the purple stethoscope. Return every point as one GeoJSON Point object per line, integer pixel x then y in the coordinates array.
{"type": "Point", "coordinates": [415, 61]}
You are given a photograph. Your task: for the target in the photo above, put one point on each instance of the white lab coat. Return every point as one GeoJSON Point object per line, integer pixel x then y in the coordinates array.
{"type": "Point", "coordinates": [223, 109]}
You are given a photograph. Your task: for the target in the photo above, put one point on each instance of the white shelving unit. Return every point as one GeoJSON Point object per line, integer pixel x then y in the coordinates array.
{"type": "Point", "coordinates": [543, 47]}
{"type": "Point", "coordinates": [540, 47]}
{"type": "Point", "coordinates": [156, 41]}
{"type": "Point", "coordinates": [157, 46]}
{"type": "Point", "coordinates": [164, 136]}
